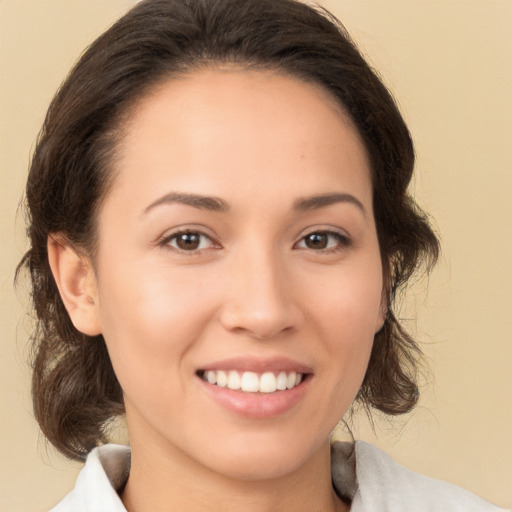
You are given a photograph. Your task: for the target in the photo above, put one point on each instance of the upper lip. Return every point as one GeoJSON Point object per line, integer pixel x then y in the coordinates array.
{"type": "Point", "coordinates": [258, 365]}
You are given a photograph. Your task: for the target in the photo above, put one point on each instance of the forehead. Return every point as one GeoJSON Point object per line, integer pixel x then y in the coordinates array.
{"type": "Point", "coordinates": [228, 128]}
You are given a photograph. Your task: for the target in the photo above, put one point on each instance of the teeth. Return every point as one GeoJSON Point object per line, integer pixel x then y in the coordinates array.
{"type": "Point", "coordinates": [251, 382]}
{"type": "Point", "coordinates": [268, 383]}
{"type": "Point", "coordinates": [282, 379]}
{"type": "Point", "coordinates": [222, 379]}
{"type": "Point", "coordinates": [233, 380]}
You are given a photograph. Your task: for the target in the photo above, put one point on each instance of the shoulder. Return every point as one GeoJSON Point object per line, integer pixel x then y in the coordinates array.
{"type": "Point", "coordinates": [104, 473]}
{"type": "Point", "coordinates": [383, 485]}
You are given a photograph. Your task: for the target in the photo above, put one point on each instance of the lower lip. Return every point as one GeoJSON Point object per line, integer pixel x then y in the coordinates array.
{"type": "Point", "coordinates": [257, 405]}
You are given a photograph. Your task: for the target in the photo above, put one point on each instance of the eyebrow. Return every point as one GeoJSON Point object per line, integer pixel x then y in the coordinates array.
{"type": "Point", "coordinates": [324, 200]}
{"type": "Point", "coordinates": [214, 204]}
{"type": "Point", "coordinates": [217, 204]}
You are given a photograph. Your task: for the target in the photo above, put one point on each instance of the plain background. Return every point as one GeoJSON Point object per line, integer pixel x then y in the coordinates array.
{"type": "Point", "coordinates": [449, 65]}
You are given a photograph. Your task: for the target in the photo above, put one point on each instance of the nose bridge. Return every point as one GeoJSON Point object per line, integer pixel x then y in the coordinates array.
{"type": "Point", "coordinates": [259, 300]}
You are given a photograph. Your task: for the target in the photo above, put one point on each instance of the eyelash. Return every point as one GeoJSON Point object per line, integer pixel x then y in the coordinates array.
{"type": "Point", "coordinates": [167, 241]}
{"type": "Point", "coordinates": [342, 241]}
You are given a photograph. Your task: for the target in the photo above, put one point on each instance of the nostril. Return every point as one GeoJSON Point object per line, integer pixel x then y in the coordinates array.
{"type": "Point", "coordinates": [260, 323]}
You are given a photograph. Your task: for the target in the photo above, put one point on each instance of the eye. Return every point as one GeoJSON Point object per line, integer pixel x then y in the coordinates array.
{"type": "Point", "coordinates": [323, 241]}
{"type": "Point", "coordinates": [188, 241]}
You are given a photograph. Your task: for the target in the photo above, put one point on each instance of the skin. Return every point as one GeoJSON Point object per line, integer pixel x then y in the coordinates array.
{"type": "Point", "coordinates": [255, 287]}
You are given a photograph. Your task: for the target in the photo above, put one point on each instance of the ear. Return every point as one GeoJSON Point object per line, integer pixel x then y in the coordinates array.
{"type": "Point", "coordinates": [388, 278]}
{"type": "Point", "coordinates": [381, 318]}
{"type": "Point", "coordinates": [76, 282]}
{"type": "Point", "coordinates": [383, 310]}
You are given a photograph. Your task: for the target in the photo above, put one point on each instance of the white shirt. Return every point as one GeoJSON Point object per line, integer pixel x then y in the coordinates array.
{"type": "Point", "coordinates": [376, 484]}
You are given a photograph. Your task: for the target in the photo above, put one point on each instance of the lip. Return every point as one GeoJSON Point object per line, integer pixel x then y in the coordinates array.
{"type": "Point", "coordinates": [257, 405]}
{"type": "Point", "coordinates": [257, 365]}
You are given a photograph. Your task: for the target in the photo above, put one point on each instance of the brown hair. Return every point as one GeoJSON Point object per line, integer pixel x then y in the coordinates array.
{"type": "Point", "coordinates": [75, 390]}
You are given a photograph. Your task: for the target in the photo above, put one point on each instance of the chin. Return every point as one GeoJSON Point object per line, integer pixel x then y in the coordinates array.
{"type": "Point", "coordinates": [263, 467]}
{"type": "Point", "coordinates": [263, 459]}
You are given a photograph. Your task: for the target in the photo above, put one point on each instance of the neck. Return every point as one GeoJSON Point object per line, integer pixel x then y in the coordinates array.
{"type": "Point", "coordinates": [161, 481]}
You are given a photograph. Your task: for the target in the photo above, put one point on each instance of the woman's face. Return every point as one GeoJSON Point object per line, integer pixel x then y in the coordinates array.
{"type": "Point", "coordinates": [237, 247]}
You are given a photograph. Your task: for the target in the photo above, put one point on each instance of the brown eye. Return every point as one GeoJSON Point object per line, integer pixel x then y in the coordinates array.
{"type": "Point", "coordinates": [324, 241]}
{"type": "Point", "coordinates": [316, 241]}
{"type": "Point", "coordinates": [189, 241]}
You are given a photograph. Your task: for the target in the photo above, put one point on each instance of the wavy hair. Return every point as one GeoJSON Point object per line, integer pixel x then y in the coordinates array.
{"type": "Point", "coordinates": [75, 391]}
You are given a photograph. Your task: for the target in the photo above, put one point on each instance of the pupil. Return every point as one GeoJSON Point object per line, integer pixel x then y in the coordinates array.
{"type": "Point", "coordinates": [188, 241]}
{"type": "Point", "coordinates": [316, 241]}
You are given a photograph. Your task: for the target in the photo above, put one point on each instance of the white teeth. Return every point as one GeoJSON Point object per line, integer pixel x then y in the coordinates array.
{"type": "Point", "coordinates": [233, 380]}
{"type": "Point", "coordinates": [282, 379]}
{"type": "Point", "coordinates": [222, 379]}
{"type": "Point", "coordinates": [268, 383]}
{"type": "Point", "coordinates": [251, 382]}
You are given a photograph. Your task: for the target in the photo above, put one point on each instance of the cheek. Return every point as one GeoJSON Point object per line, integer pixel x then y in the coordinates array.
{"type": "Point", "coordinates": [352, 301]}
{"type": "Point", "coordinates": [150, 320]}
{"type": "Point", "coordinates": [347, 316]}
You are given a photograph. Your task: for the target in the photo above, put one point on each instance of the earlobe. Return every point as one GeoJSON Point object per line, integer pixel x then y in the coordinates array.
{"type": "Point", "coordinates": [76, 281]}
{"type": "Point", "coordinates": [385, 299]}
{"type": "Point", "coordinates": [383, 312]}
{"type": "Point", "coordinates": [381, 319]}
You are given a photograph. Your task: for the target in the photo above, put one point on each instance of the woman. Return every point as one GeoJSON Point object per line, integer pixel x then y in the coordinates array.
{"type": "Point", "coordinates": [219, 225]}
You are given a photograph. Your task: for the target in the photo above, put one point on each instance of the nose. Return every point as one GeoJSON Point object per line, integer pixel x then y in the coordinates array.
{"type": "Point", "coordinates": [260, 302]}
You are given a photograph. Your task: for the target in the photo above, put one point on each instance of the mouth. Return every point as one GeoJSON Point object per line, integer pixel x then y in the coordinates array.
{"type": "Point", "coordinates": [253, 382]}
{"type": "Point", "coordinates": [256, 388]}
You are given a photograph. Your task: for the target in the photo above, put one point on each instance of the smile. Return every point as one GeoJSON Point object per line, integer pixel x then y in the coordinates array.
{"type": "Point", "coordinates": [252, 382]}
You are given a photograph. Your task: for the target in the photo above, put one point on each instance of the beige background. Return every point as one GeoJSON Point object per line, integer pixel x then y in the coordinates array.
{"type": "Point", "coordinates": [449, 64]}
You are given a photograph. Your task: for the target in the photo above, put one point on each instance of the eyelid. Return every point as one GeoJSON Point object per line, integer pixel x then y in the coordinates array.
{"type": "Point", "coordinates": [164, 240]}
{"type": "Point", "coordinates": [344, 238]}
